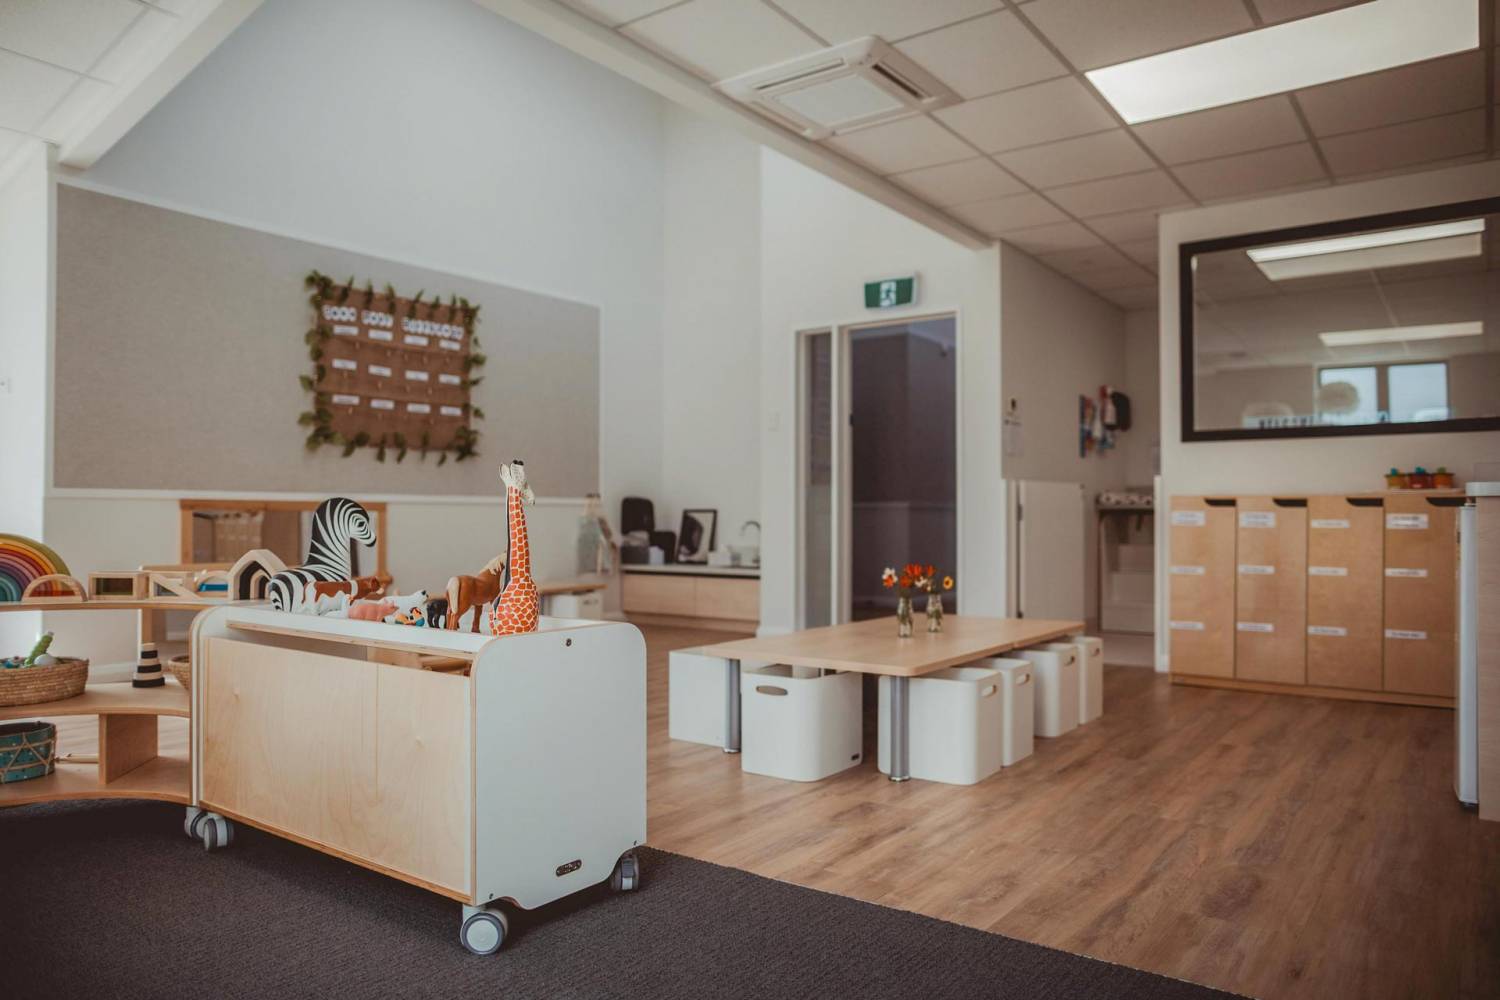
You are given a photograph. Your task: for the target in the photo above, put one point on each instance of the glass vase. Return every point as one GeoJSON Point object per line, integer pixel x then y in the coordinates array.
{"type": "Point", "coordinates": [934, 613]}
{"type": "Point", "coordinates": [903, 617]}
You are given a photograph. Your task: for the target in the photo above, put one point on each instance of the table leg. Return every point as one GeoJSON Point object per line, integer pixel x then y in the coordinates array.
{"type": "Point", "coordinates": [731, 706]}
{"type": "Point", "coordinates": [900, 692]}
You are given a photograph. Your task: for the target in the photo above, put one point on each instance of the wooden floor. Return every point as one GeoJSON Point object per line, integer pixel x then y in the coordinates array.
{"type": "Point", "coordinates": [1270, 845]}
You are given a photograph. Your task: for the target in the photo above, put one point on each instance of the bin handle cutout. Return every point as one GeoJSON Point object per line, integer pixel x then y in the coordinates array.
{"type": "Point", "coordinates": [1022, 679]}
{"type": "Point", "coordinates": [769, 689]}
{"type": "Point", "coordinates": [987, 690]}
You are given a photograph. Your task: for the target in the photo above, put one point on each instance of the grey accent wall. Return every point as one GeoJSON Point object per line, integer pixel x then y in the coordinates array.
{"type": "Point", "coordinates": [179, 343]}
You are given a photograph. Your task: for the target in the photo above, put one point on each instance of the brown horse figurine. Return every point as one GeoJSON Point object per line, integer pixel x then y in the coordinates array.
{"type": "Point", "coordinates": [465, 592]}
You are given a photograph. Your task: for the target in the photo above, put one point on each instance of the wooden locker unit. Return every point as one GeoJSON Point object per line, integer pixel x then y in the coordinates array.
{"type": "Point", "coordinates": [1201, 586]}
{"type": "Point", "coordinates": [1270, 638]}
{"type": "Point", "coordinates": [1345, 583]}
{"type": "Point", "coordinates": [1421, 594]}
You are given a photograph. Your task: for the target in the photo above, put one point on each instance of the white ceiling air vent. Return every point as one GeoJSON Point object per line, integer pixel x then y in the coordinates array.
{"type": "Point", "coordinates": [838, 89]}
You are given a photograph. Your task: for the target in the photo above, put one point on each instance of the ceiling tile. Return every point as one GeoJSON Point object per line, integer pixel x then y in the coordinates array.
{"type": "Point", "coordinates": [69, 33]}
{"type": "Point", "coordinates": [1148, 189]}
{"type": "Point", "coordinates": [1248, 173]}
{"type": "Point", "coordinates": [1093, 258]}
{"type": "Point", "coordinates": [144, 37]}
{"type": "Point", "coordinates": [29, 90]}
{"type": "Point", "coordinates": [978, 57]}
{"type": "Point", "coordinates": [901, 145]}
{"type": "Point", "coordinates": [1272, 11]}
{"type": "Point", "coordinates": [718, 39]}
{"type": "Point", "coordinates": [1049, 239]}
{"type": "Point", "coordinates": [1018, 211]}
{"type": "Point", "coordinates": [1102, 154]}
{"type": "Point", "coordinates": [1143, 252]}
{"type": "Point", "coordinates": [956, 183]}
{"type": "Point", "coordinates": [1057, 109]}
{"type": "Point", "coordinates": [1127, 225]}
{"type": "Point", "coordinates": [1402, 145]}
{"type": "Point", "coordinates": [1116, 277]}
{"type": "Point", "coordinates": [841, 21]}
{"type": "Point", "coordinates": [1436, 87]}
{"type": "Point", "coordinates": [617, 12]}
{"type": "Point", "coordinates": [1093, 34]}
{"type": "Point", "coordinates": [1236, 128]}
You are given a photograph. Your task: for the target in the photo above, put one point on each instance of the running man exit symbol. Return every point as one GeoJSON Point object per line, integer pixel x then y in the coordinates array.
{"type": "Point", "coordinates": [889, 292]}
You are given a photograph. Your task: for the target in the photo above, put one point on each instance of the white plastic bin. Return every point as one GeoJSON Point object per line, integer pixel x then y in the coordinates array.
{"type": "Point", "coordinates": [696, 695]}
{"type": "Point", "coordinates": [954, 723]}
{"type": "Point", "coordinates": [1090, 652]}
{"type": "Point", "coordinates": [1017, 693]}
{"type": "Point", "coordinates": [588, 605]}
{"type": "Point", "coordinates": [799, 723]}
{"type": "Point", "coordinates": [1055, 704]}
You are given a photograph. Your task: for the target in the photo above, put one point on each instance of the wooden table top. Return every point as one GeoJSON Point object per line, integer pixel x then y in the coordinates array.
{"type": "Point", "coordinates": [872, 647]}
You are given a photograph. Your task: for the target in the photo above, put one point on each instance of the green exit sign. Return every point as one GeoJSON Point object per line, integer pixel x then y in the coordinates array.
{"type": "Point", "coordinates": [888, 293]}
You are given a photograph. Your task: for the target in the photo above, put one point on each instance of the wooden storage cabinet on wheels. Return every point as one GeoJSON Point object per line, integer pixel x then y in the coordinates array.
{"type": "Point", "coordinates": [1421, 594]}
{"type": "Point", "coordinates": [1201, 586]}
{"type": "Point", "coordinates": [1270, 597]}
{"type": "Point", "coordinates": [1345, 581]}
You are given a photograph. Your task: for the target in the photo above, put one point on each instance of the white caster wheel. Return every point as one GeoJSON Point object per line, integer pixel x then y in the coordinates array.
{"type": "Point", "coordinates": [192, 823]}
{"type": "Point", "coordinates": [483, 930]}
{"type": "Point", "coordinates": [216, 831]}
{"type": "Point", "coordinates": [627, 875]}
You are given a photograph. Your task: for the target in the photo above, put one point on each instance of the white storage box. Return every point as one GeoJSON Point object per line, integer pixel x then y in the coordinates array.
{"type": "Point", "coordinates": [587, 605]}
{"type": "Point", "coordinates": [697, 691]}
{"type": "Point", "coordinates": [1090, 652]}
{"type": "Point", "coordinates": [799, 723]}
{"type": "Point", "coordinates": [954, 721]}
{"type": "Point", "coordinates": [1017, 693]}
{"type": "Point", "coordinates": [1055, 704]}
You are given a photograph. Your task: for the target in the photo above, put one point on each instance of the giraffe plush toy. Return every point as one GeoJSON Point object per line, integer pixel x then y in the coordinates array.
{"type": "Point", "coordinates": [515, 610]}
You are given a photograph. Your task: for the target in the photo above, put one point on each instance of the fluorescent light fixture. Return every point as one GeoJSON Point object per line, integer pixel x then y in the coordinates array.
{"type": "Point", "coordinates": [1362, 241]}
{"type": "Point", "coordinates": [1348, 42]}
{"type": "Point", "coordinates": [1370, 251]}
{"type": "Point", "coordinates": [1402, 334]}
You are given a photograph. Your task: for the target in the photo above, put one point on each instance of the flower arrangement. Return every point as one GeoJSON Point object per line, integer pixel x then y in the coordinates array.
{"type": "Point", "coordinates": [914, 578]}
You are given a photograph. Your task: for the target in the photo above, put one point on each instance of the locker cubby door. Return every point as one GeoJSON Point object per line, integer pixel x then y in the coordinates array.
{"type": "Point", "coordinates": [1201, 586]}
{"type": "Point", "coordinates": [1421, 594]}
{"type": "Point", "coordinates": [1270, 638]}
{"type": "Point", "coordinates": [1345, 583]}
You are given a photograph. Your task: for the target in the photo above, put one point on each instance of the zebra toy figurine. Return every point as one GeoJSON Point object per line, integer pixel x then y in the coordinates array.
{"type": "Point", "coordinates": [336, 523]}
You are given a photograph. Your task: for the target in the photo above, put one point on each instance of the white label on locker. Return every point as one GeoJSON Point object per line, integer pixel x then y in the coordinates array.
{"type": "Point", "coordinates": [415, 376]}
{"type": "Point", "coordinates": [1255, 626]}
{"type": "Point", "coordinates": [1329, 522]}
{"type": "Point", "coordinates": [450, 345]}
{"type": "Point", "coordinates": [382, 404]}
{"type": "Point", "coordinates": [345, 330]}
{"type": "Point", "coordinates": [1404, 633]}
{"type": "Point", "coordinates": [1414, 574]}
{"type": "Point", "coordinates": [451, 411]}
{"type": "Point", "coordinates": [339, 312]}
{"type": "Point", "coordinates": [414, 340]}
{"type": "Point", "coordinates": [1186, 626]}
{"type": "Point", "coordinates": [447, 379]}
{"type": "Point", "coordinates": [380, 334]}
{"type": "Point", "coordinates": [1258, 519]}
{"type": "Point", "coordinates": [418, 408]}
{"type": "Point", "coordinates": [1247, 569]}
{"type": "Point", "coordinates": [1406, 522]}
{"type": "Point", "coordinates": [1327, 571]}
{"type": "Point", "coordinates": [1189, 518]}
{"type": "Point", "coordinates": [342, 399]}
{"type": "Point", "coordinates": [1332, 630]}
{"type": "Point", "coordinates": [346, 364]}
{"type": "Point", "coordinates": [380, 370]}
{"type": "Point", "coordinates": [370, 317]}
{"type": "Point", "coordinates": [1187, 570]}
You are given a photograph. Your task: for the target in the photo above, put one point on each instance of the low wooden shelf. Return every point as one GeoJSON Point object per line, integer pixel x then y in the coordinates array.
{"type": "Point", "coordinates": [167, 777]}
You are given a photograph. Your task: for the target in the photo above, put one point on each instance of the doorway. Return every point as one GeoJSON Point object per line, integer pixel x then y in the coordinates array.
{"type": "Point", "coordinates": [879, 464]}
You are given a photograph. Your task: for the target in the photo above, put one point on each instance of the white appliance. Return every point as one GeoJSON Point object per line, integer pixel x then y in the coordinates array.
{"type": "Point", "coordinates": [1466, 724]}
{"type": "Point", "coordinates": [1049, 525]}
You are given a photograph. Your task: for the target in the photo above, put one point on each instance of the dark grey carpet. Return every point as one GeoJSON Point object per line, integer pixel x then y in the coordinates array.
{"type": "Point", "coordinates": [110, 900]}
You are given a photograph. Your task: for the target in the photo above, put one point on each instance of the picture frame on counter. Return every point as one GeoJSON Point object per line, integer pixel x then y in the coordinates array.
{"type": "Point", "coordinates": [698, 536]}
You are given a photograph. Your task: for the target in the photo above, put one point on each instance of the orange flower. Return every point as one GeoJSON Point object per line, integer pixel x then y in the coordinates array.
{"type": "Point", "coordinates": [888, 578]}
{"type": "Point", "coordinates": [931, 571]}
{"type": "Point", "coordinates": [947, 583]}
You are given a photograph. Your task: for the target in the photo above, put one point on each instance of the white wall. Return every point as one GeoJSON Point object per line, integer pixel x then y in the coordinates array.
{"type": "Point", "coordinates": [1143, 386]}
{"type": "Point", "coordinates": [820, 242]}
{"type": "Point", "coordinates": [26, 215]}
{"type": "Point", "coordinates": [1059, 341]}
{"type": "Point", "coordinates": [710, 438]}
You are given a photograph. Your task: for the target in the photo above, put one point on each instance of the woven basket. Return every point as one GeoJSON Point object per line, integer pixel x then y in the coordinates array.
{"type": "Point", "coordinates": [182, 669]}
{"type": "Point", "coordinates": [27, 750]}
{"type": "Point", "coordinates": [53, 682]}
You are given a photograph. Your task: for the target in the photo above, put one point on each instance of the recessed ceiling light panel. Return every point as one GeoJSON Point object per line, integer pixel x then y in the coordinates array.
{"type": "Point", "coordinates": [1401, 334]}
{"type": "Point", "coordinates": [848, 86]}
{"type": "Point", "coordinates": [1365, 38]}
{"type": "Point", "coordinates": [1370, 251]}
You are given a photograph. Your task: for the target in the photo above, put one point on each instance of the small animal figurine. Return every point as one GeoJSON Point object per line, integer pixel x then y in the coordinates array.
{"type": "Point", "coordinates": [336, 523]}
{"type": "Point", "coordinates": [465, 592]}
{"type": "Point", "coordinates": [515, 610]}
{"type": "Point", "coordinates": [368, 611]}
{"type": "Point", "coordinates": [409, 610]}
{"type": "Point", "coordinates": [437, 612]}
{"type": "Point", "coordinates": [358, 589]}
